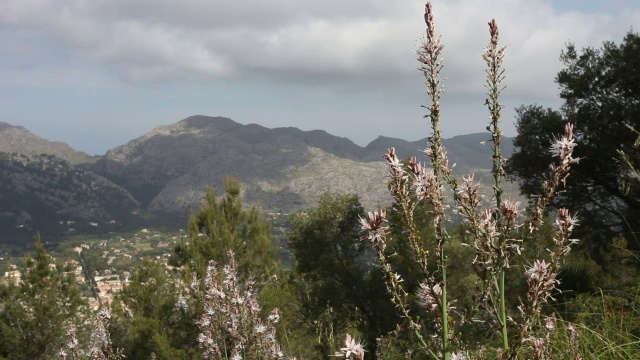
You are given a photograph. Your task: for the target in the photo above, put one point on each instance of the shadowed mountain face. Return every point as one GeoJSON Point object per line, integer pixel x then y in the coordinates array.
{"type": "Point", "coordinates": [283, 169]}
{"type": "Point", "coordinates": [39, 192]}
{"type": "Point", "coordinates": [17, 139]}
{"type": "Point", "coordinates": [170, 167]}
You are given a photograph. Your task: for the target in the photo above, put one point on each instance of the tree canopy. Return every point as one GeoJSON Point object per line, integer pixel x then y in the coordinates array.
{"type": "Point", "coordinates": [37, 308]}
{"type": "Point", "coordinates": [337, 270]}
{"type": "Point", "coordinates": [601, 92]}
{"type": "Point", "coordinates": [222, 224]}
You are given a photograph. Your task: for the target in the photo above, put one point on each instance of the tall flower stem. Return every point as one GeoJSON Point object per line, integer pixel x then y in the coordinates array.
{"type": "Point", "coordinates": [494, 56]}
{"type": "Point", "coordinates": [377, 229]}
{"type": "Point", "coordinates": [432, 64]}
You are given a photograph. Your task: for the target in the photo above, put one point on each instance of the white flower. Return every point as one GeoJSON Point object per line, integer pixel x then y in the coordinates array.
{"type": "Point", "coordinates": [352, 347]}
{"type": "Point", "coordinates": [539, 270]}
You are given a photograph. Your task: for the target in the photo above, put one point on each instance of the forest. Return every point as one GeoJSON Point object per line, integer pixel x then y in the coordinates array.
{"type": "Point", "coordinates": [442, 273]}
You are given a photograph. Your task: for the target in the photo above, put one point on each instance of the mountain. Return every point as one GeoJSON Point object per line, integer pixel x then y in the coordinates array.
{"type": "Point", "coordinates": [283, 169]}
{"type": "Point", "coordinates": [17, 139]}
{"type": "Point", "coordinates": [169, 168]}
{"type": "Point", "coordinates": [166, 172]}
{"type": "Point", "coordinates": [470, 152]}
{"type": "Point", "coordinates": [43, 192]}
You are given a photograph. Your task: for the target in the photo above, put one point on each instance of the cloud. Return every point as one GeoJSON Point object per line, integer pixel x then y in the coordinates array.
{"type": "Point", "coordinates": [358, 44]}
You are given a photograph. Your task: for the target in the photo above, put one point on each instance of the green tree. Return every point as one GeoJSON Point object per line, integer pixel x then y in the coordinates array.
{"type": "Point", "coordinates": [337, 272]}
{"type": "Point", "coordinates": [157, 311]}
{"type": "Point", "coordinates": [155, 315]}
{"type": "Point", "coordinates": [222, 224]}
{"type": "Point", "coordinates": [34, 311]}
{"type": "Point", "coordinates": [601, 90]}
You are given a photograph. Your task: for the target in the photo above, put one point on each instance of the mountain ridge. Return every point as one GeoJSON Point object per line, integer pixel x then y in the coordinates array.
{"type": "Point", "coordinates": [169, 168]}
{"type": "Point", "coordinates": [198, 151]}
{"type": "Point", "coordinates": [17, 139]}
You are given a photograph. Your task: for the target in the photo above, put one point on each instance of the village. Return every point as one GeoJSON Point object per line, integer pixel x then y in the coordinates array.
{"type": "Point", "coordinates": [102, 266]}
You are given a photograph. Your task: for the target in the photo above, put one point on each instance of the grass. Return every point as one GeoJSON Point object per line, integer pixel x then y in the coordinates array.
{"type": "Point", "coordinates": [607, 326]}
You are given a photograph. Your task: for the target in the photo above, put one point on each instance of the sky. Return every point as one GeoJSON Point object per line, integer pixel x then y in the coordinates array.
{"type": "Point", "coordinates": [98, 73]}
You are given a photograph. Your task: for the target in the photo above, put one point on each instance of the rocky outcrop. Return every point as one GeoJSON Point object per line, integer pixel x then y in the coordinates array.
{"type": "Point", "coordinates": [17, 139]}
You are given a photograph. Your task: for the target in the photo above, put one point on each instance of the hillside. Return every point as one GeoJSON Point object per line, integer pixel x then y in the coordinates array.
{"type": "Point", "coordinates": [170, 167]}
{"type": "Point", "coordinates": [39, 192]}
{"type": "Point", "coordinates": [17, 139]}
{"type": "Point", "coordinates": [470, 152]}
{"type": "Point", "coordinates": [167, 171]}
{"type": "Point", "coordinates": [283, 169]}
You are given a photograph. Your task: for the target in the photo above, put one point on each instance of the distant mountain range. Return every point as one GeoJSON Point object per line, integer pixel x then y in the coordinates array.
{"type": "Point", "coordinates": [169, 168]}
{"type": "Point", "coordinates": [19, 140]}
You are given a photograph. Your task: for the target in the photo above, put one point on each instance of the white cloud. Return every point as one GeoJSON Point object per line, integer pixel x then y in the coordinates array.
{"type": "Point", "coordinates": [353, 43]}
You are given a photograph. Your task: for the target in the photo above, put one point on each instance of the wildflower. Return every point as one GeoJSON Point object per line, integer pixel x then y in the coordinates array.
{"type": "Point", "coordinates": [562, 147]}
{"type": "Point", "coordinates": [231, 318]}
{"type": "Point", "coordinates": [550, 323]}
{"type": "Point", "coordinates": [541, 280]}
{"type": "Point", "coordinates": [425, 182]}
{"type": "Point", "coordinates": [564, 226]}
{"type": "Point", "coordinates": [429, 298]}
{"type": "Point", "coordinates": [510, 209]}
{"type": "Point", "coordinates": [260, 328]}
{"type": "Point", "coordinates": [538, 347]}
{"type": "Point", "coordinates": [374, 225]}
{"type": "Point", "coordinates": [458, 356]}
{"type": "Point", "coordinates": [274, 317]}
{"type": "Point", "coordinates": [392, 158]}
{"type": "Point", "coordinates": [539, 270]}
{"type": "Point", "coordinates": [565, 221]}
{"type": "Point", "coordinates": [352, 347]}
{"type": "Point", "coordinates": [181, 304]}
{"type": "Point", "coordinates": [573, 333]}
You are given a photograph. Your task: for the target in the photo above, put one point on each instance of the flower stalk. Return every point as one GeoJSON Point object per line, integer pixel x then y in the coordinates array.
{"type": "Point", "coordinates": [494, 56]}
{"type": "Point", "coordinates": [429, 55]}
{"type": "Point", "coordinates": [494, 230]}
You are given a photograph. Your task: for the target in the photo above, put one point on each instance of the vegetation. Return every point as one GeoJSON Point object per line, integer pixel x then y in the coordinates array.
{"type": "Point", "coordinates": [600, 91]}
{"type": "Point", "coordinates": [154, 316]}
{"type": "Point", "coordinates": [337, 272]}
{"type": "Point", "coordinates": [413, 280]}
{"type": "Point", "coordinates": [37, 308]}
{"type": "Point", "coordinates": [223, 225]}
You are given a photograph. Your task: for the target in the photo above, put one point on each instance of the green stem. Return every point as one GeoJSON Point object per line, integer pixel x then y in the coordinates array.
{"type": "Point", "coordinates": [503, 312]}
{"type": "Point", "coordinates": [399, 299]}
{"type": "Point", "coordinates": [445, 315]}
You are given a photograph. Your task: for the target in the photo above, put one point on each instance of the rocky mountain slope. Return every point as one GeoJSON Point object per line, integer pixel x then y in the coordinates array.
{"type": "Point", "coordinates": [17, 139]}
{"type": "Point", "coordinates": [41, 190]}
{"type": "Point", "coordinates": [170, 167]}
{"type": "Point", "coordinates": [166, 172]}
{"type": "Point", "coordinates": [283, 169]}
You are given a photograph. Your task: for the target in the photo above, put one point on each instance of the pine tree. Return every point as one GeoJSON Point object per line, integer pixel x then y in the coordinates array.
{"type": "Point", "coordinates": [35, 311]}
{"type": "Point", "coordinates": [222, 224]}
{"type": "Point", "coordinates": [155, 315]}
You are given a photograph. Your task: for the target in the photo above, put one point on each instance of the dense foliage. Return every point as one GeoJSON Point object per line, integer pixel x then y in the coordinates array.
{"type": "Point", "coordinates": [337, 270]}
{"type": "Point", "coordinates": [222, 224]}
{"type": "Point", "coordinates": [601, 90]}
{"type": "Point", "coordinates": [37, 309]}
